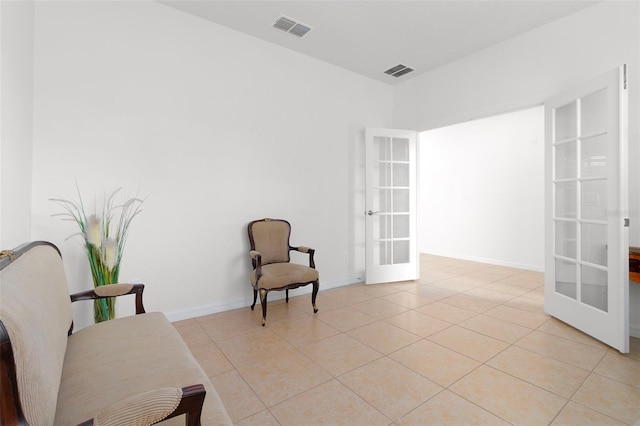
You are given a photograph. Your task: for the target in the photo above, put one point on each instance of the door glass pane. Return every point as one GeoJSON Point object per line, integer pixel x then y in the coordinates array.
{"type": "Point", "coordinates": [566, 200]}
{"type": "Point", "coordinates": [593, 290]}
{"type": "Point", "coordinates": [593, 240]}
{"type": "Point", "coordinates": [381, 200]}
{"type": "Point", "coordinates": [401, 226]}
{"type": "Point", "coordinates": [594, 157]}
{"type": "Point", "coordinates": [566, 122]}
{"type": "Point", "coordinates": [383, 174]}
{"type": "Point", "coordinates": [382, 146]}
{"type": "Point", "coordinates": [594, 199]}
{"type": "Point", "coordinates": [401, 200]}
{"type": "Point", "coordinates": [566, 239]}
{"type": "Point", "coordinates": [566, 160]}
{"type": "Point", "coordinates": [400, 174]}
{"type": "Point", "coordinates": [400, 252]}
{"type": "Point", "coordinates": [400, 149]}
{"type": "Point", "coordinates": [382, 252]}
{"type": "Point", "coordinates": [593, 114]}
{"type": "Point", "coordinates": [566, 278]}
{"type": "Point", "coordinates": [381, 226]}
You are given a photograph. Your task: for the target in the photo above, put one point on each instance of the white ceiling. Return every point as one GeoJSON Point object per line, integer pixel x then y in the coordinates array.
{"type": "Point", "coordinates": [368, 37]}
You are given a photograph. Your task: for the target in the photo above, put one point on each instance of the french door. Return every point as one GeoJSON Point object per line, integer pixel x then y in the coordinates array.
{"type": "Point", "coordinates": [391, 200]}
{"type": "Point", "coordinates": [586, 248]}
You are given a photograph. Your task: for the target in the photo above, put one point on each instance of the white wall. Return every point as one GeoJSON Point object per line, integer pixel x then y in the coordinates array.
{"type": "Point", "coordinates": [16, 121]}
{"type": "Point", "coordinates": [528, 69]}
{"type": "Point", "coordinates": [482, 190]}
{"type": "Point", "coordinates": [216, 128]}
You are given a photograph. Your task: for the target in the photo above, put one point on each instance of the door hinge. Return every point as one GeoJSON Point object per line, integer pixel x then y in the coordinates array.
{"type": "Point", "coordinates": [626, 222]}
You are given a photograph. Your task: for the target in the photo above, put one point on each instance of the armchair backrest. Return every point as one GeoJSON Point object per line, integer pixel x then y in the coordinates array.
{"type": "Point", "coordinates": [270, 237]}
{"type": "Point", "coordinates": [35, 310]}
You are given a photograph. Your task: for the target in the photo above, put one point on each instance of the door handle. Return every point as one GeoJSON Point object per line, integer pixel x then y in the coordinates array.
{"type": "Point", "coordinates": [371, 213]}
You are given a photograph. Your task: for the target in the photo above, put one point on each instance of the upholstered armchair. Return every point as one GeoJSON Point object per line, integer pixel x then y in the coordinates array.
{"type": "Point", "coordinates": [272, 270]}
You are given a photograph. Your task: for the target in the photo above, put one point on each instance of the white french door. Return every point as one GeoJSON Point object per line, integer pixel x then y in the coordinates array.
{"type": "Point", "coordinates": [586, 247]}
{"type": "Point", "coordinates": [390, 193]}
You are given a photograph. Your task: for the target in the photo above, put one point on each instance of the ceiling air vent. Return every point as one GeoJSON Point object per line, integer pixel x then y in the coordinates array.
{"type": "Point", "coordinates": [398, 70]}
{"type": "Point", "coordinates": [291, 26]}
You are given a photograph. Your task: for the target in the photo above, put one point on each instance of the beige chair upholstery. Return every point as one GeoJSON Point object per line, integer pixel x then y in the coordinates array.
{"type": "Point", "coordinates": [272, 270]}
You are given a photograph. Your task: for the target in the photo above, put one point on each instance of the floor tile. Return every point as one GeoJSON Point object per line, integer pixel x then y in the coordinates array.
{"type": "Point", "coordinates": [211, 359]}
{"type": "Point", "coordinates": [523, 280]}
{"type": "Point", "coordinates": [474, 345]}
{"type": "Point", "coordinates": [517, 316]}
{"type": "Point", "coordinates": [263, 418]}
{"type": "Point", "coordinates": [349, 295]}
{"type": "Point", "coordinates": [379, 290]}
{"type": "Point", "coordinates": [383, 337]}
{"type": "Point", "coordinates": [620, 367]}
{"type": "Point", "coordinates": [302, 331]}
{"type": "Point", "coordinates": [407, 299]}
{"type": "Point", "coordinates": [237, 397]}
{"type": "Point", "coordinates": [228, 324]}
{"type": "Point", "coordinates": [446, 312]}
{"type": "Point", "coordinates": [390, 387]}
{"type": "Point", "coordinates": [448, 409]}
{"type": "Point", "coordinates": [256, 347]}
{"type": "Point", "coordinates": [547, 373]}
{"type": "Point", "coordinates": [561, 349]}
{"type": "Point", "coordinates": [437, 363]}
{"type": "Point", "coordinates": [609, 397]}
{"type": "Point", "coordinates": [418, 323]}
{"type": "Point", "coordinates": [331, 403]}
{"type": "Point", "coordinates": [379, 308]}
{"type": "Point", "coordinates": [432, 292]}
{"type": "Point", "coordinates": [469, 303]}
{"type": "Point", "coordinates": [340, 354]}
{"type": "Point", "coordinates": [345, 319]}
{"type": "Point", "coordinates": [496, 328]}
{"type": "Point", "coordinates": [279, 378]}
{"type": "Point", "coordinates": [192, 333]}
{"type": "Point", "coordinates": [561, 329]}
{"type": "Point", "coordinates": [575, 414]}
{"type": "Point", "coordinates": [323, 302]}
{"type": "Point", "coordinates": [456, 283]}
{"type": "Point", "coordinates": [506, 288]}
{"type": "Point", "coordinates": [508, 397]}
{"type": "Point", "coordinates": [491, 295]}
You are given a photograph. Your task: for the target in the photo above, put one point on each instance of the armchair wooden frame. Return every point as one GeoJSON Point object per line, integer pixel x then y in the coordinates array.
{"type": "Point", "coordinates": [257, 262]}
{"type": "Point", "coordinates": [11, 412]}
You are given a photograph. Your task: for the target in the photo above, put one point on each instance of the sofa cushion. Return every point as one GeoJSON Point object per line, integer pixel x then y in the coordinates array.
{"type": "Point", "coordinates": [36, 310]}
{"type": "Point", "coordinates": [101, 369]}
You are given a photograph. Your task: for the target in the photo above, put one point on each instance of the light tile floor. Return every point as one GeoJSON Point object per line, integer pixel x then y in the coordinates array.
{"type": "Point", "coordinates": [468, 343]}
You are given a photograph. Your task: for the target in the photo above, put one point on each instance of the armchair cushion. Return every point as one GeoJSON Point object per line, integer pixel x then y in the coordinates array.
{"type": "Point", "coordinates": [278, 275]}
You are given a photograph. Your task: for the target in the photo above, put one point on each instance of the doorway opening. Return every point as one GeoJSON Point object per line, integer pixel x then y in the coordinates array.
{"type": "Point", "coordinates": [481, 190]}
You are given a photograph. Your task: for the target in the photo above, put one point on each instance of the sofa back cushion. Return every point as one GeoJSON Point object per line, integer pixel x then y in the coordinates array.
{"type": "Point", "coordinates": [36, 310]}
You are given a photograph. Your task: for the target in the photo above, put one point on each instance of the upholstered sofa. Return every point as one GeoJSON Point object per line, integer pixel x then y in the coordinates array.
{"type": "Point", "coordinates": [133, 370]}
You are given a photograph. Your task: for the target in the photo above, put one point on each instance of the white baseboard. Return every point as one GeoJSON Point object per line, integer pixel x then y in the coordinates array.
{"type": "Point", "coordinates": [534, 268]}
{"type": "Point", "coordinates": [227, 305]}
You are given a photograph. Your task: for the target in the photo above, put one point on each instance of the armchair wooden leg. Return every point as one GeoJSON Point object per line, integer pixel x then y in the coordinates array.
{"type": "Point", "coordinates": [287, 297]}
{"type": "Point", "coordinates": [255, 297]}
{"type": "Point", "coordinates": [316, 286]}
{"type": "Point", "coordinates": [263, 302]}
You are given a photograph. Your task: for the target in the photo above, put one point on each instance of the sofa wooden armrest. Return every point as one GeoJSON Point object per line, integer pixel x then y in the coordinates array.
{"type": "Point", "coordinates": [100, 374]}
